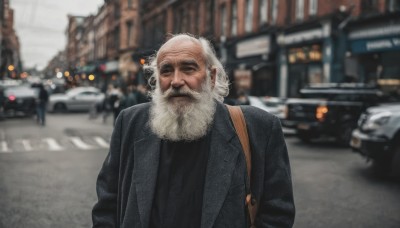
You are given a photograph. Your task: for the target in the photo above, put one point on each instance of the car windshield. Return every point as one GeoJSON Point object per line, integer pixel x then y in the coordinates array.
{"type": "Point", "coordinates": [20, 91]}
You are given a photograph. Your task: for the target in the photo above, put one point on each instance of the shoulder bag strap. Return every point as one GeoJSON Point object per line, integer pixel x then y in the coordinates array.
{"type": "Point", "coordinates": [241, 130]}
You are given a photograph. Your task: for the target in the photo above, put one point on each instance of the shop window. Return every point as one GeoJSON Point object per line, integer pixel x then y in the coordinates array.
{"type": "Point", "coordinates": [305, 54]}
{"type": "Point", "coordinates": [263, 11]}
{"type": "Point", "coordinates": [249, 16]}
{"type": "Point", "coordinates": [299, 10]}
{"type": "Point", "coordinates": [234, 19]}
{"type": "Point", "coordinates": [313, 7]}
{"type": "Point", "coordinates": [392, 5]}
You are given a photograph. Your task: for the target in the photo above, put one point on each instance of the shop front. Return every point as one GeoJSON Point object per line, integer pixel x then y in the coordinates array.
{"type": "Point", "coordinates": [251, 65]}
{"type": "Point", "coordinates": [305, 57]}
{"type": "Point", "coordinates": [374, 53]}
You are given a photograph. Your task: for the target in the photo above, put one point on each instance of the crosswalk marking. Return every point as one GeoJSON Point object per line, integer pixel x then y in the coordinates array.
{"type": "Point", "coordinates": [53, 144]}
{"type": "Point", "coordinates": [4, 147]}
{"type": "Point", "coordinates": [80, 144]}
{"type": "Point", "coordinates": [27, 145]}
{"type": "Point", "coordinates": [101, 142]}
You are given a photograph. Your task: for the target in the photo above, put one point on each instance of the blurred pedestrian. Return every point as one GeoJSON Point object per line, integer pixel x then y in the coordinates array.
{"type": "Point", "coordinates": [41, 104]}
{"type": "Point", "coordinates": [111, 96]}
{"type": "Point", "coordinates": [177, 161]}
{"type": "Point", "coordinates": [242, 98]}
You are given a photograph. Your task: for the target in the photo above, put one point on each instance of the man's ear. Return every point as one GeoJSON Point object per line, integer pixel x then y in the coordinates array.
{"type": "Point", "coordinates": [213, 75]}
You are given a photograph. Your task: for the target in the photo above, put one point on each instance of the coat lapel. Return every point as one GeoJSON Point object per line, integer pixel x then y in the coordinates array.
{"type": "Point", "coordinates": [224, 150]}
{"type": "Point", "coordinates": [146, 160]}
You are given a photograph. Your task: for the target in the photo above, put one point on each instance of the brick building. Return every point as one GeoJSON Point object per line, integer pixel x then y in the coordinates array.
{"type": "Point", "coordinates": [10, 62]}
{"type": "Point", "coordinates": [269, 47]}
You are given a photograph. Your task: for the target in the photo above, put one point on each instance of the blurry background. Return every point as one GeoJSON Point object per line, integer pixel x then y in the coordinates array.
{"type": "Point", "coordinates": [327, 69]}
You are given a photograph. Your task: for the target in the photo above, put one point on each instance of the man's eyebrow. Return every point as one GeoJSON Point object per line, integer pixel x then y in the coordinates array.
{"type": "Point", "coordinates": [189, 63]}
{"type": "Point", "coordinates": [165, 65]}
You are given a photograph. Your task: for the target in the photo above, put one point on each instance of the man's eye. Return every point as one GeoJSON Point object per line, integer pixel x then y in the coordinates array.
{"type": "Point", "coordinates": [165, 71]}
{"type": "Point", "coordinates": [188, 69]}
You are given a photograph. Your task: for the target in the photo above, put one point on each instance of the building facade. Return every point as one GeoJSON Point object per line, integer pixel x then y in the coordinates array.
{"type": "Point", "coordinates": [10, 62]}
{"type": "Point", "coordinates": [268, 47]}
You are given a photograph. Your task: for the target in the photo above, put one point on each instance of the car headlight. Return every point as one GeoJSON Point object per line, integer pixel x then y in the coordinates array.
{"type": "Point", "coordinates": [375, 121]}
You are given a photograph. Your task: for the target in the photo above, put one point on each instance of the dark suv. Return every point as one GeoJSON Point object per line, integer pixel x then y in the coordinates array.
{"type": "Point", "coordinates": [17, 100]}
{"type": "Point", "coordinates": [329, 110]}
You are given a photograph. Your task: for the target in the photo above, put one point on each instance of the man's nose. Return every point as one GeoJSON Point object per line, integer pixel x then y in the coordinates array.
{"type": "Point", "coordinates": [177, 80]}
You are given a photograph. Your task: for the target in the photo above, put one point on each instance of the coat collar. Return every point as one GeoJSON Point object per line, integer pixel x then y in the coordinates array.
{"type": "Point", "coordinates": [225, 148]}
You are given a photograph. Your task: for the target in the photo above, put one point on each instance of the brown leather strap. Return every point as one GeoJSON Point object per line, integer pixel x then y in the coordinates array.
{"type": "Point", "coordinates": [241, 130]}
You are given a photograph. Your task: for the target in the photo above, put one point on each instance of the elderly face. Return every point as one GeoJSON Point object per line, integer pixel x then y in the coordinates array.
{"type": "Point", "coordinates": [182, 67]}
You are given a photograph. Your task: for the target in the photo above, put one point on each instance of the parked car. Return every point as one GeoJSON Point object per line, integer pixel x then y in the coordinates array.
{"type": "Point", "coordinates": [377, 136]}
{"type": "Point", "coordinates": [329, 110]}
{"type": "Point", "coordinates": [17, 100]}
{"type": "Point", "coordinates": [273, 105]}
{"type": "Point", "coordinates": [76, 99]}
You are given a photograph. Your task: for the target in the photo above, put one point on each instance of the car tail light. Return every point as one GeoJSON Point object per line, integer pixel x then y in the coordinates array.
{"type": "Point", "coordinates": [321, 112]}
{"type": "Point", "coordinates": [11, 98]}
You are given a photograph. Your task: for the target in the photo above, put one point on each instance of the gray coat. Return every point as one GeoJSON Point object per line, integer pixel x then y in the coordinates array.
{"type": "Point", "coordinates": [127, 180]}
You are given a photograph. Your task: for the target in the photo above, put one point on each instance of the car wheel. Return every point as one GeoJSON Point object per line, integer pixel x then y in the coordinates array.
{"type": "Point", "coordinates": [344, 135]}
{"type": "Point", "coordinates": [304, 137]}
{"type": "Point", "coordinates": [60, 107]}
{"type": "Point", "coordinates": [395, 163]}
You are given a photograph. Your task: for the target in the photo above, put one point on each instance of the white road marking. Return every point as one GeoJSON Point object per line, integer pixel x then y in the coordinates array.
{"type": "Point", "coordinates": [27, 145]}
{"type": "Point", "coordinates": [53, 144]}
{"type": "Point", "coordinates": [101, 142]}
{"type": "Point", "coordinates": [80, 144]}
{"type": "Point", "coordinates": [4, 147]}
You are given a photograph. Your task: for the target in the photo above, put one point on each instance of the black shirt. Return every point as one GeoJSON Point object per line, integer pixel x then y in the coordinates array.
{"type": "Point", "coordinates": [178, 197]}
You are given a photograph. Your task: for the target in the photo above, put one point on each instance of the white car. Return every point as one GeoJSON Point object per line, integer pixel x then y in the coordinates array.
{"type": "Point", "coordinates": [273, 105]}
{"type": "Point", "coordinates": [76, 99]}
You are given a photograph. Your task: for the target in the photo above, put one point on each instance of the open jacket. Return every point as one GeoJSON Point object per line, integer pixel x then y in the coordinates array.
{"type": "Point", "coordinates": [126, 182]}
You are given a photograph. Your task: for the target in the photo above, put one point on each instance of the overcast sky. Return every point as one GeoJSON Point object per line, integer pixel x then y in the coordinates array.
{"type": "Point", "coordinates": [41, 25]}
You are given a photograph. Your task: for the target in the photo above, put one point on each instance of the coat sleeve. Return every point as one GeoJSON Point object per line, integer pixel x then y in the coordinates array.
{"type": "Point", "coordinates": [104, 213]}
{"type": "Point", "coordinates": [276, 206]}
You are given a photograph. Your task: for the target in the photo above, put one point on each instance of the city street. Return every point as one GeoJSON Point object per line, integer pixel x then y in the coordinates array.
{"type": "Point", "coordinates": [48, 174]}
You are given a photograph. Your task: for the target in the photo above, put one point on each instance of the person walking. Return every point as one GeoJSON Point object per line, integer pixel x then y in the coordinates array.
{"type": "Point", "coordinates": [177, 161]}
{"type": "Point", "coordinates": [43, 98]}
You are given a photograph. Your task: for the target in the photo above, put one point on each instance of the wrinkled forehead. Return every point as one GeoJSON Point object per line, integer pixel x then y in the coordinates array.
{"type": "Point", "coordinates": [181, 48]}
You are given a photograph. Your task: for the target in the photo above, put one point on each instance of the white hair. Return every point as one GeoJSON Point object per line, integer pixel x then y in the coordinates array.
{"type": "Point", "coordinates": [221, 87]}
{"type": "Point", "coordinates": [182, 122]}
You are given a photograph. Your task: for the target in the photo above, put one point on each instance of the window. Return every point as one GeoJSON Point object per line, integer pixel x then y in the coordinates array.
{"type": "Point", "coordinates": [117, 12]}
{"type": "Point", "coordinates": [178, 21]}
{"type": "Point", "coordinates": [116, 39]}
{"type": "Point", "coordinates": [274, 10]}
{"type": "Point", "coordinates": [234, 19]}
{"type": "Point", "coordinates": [369, 6]}
{"type": "Point", "coordinates": [129, 26]}
{"type": "Point", "coordinates": [130, 3]}
{"type": "Point", "coordinates": [313, 4]}
{"type": "Point", "coordinates": [223, 20]}
{"type": "Point", "coordinates": [299, 10]}
{"type": "Point", "coordinates": [249, 16]}
{"type": "Point", "coordinates": [263, 11]}
{"type": "Point", "coordinates": [393, 5]}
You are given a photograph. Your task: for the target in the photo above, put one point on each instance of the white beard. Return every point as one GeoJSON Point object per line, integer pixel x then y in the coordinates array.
{"type": "Point", "coordinates": [182, 122]}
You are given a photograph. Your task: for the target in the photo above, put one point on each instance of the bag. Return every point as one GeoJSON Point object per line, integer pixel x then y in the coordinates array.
{"type": "Point", "coordinates": [239, 123]}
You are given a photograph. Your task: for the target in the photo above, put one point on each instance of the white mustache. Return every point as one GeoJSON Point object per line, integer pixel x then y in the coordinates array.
{"type": "Point", "coordinates": [172, 92]}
